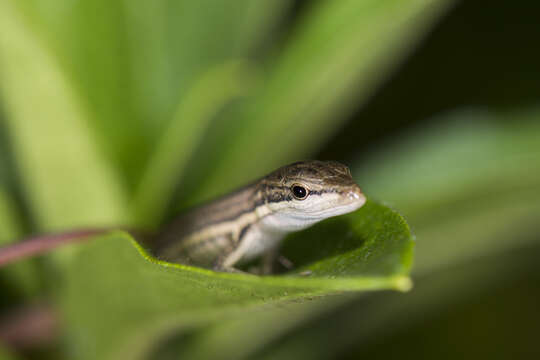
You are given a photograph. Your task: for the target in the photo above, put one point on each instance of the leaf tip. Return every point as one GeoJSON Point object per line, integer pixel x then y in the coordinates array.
{"type": "Point", "coordinates": [403, 283]}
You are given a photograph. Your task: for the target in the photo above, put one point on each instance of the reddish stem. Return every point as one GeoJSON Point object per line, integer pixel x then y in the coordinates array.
{"type": "Point", "coordinates": [42, 244]}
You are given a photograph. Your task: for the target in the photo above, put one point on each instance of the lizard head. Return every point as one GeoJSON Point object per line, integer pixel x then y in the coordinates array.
{"type": "Point", "coordinates": [306, 192]}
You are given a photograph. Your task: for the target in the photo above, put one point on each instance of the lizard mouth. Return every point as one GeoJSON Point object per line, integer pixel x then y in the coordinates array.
{"type": "Point", "coordinates": [350, 202]}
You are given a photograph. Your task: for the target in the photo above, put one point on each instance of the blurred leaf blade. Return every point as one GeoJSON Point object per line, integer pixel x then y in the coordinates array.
{"type": "Point", "coordinates": [59, 161]}
{"type": "Point", "coordinates": [183, 47]}
{"type": "Point", "coordinates": [90, 41]}
{"type": "Point", "coordinates": [210, 93]}
{"type": "Point", "coordinates": [171, 49]}
{"type": "Point", "coordinates": [223, 340]}
{"type": "Point", "coordinates": [163, 296]}
{"type": "Point", "coordinates": [463, 208]}
{"type": "Point", "coordinates": [133, 62]}
{"type": "Point", "coordinates": [339, 52]}
{"type": "Point", "coordinates": [260, 21]}
{"type": "Point", "coordinates": [363, 323]}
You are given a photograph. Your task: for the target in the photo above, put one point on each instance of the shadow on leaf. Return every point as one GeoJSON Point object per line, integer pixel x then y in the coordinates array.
{"type": "Point", "coordinates": [328, 239]}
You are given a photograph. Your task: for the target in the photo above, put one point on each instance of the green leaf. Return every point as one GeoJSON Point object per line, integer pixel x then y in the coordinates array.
{"type": "Point", "coordinates": [144, 299]}
{"type": "Point", "coordinates": [210, 93]}
{"type": "Point", "coordinates": [60, 164]}
{"type": "Point", "coordinates": [338, 54]}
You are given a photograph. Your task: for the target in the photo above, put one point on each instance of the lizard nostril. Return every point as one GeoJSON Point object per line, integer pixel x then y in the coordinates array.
{"type": "Point", "coordinates": [355, 193]}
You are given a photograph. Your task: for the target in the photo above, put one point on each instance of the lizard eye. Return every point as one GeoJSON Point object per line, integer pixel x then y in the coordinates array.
{"type": "Point", "coordinates": [299, 192]}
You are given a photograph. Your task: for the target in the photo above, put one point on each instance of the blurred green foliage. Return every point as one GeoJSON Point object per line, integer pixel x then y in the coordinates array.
{"type": "Point", "coordinates": [117, 113]}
